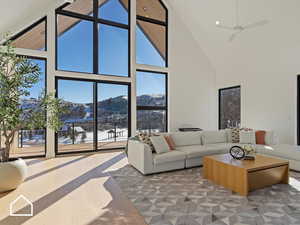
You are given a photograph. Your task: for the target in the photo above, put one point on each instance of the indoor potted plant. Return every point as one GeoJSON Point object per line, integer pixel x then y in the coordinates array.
{"type": "Point", "coordinates": [17, 75]}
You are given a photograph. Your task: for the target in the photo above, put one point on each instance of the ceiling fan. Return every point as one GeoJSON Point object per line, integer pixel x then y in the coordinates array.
{"type": "Point", "coordinates": [238, 28]}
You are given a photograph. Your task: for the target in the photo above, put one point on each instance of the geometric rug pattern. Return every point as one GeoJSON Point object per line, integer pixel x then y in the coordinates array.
{"type": "Point", "coordinates": [183, 197]}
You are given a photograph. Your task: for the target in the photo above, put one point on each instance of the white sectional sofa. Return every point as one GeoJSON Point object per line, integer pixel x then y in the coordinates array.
{"type": "Point", "coordinates": [191, 147]}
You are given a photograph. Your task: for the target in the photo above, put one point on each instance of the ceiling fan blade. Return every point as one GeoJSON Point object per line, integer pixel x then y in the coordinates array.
{"type": "Point", "coordinates": [233, 36]}
{"type": "Point", "coordinates": [225, 27]}
{"type": "Point", "coordinates": [256, 24]}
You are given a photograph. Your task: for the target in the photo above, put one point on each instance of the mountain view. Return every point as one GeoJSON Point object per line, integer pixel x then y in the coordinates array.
{"type": "Point", "coordinates": [111, 112]}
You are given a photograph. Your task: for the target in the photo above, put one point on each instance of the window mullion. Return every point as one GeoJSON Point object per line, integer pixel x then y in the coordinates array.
{"type": "Point", "coordinates": [95, 39]}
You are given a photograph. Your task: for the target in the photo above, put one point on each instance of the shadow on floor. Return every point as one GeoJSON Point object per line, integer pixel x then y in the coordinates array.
{"type": "Point", "coordinates": [115, 214]}
{"type": "Point", "coordinates": [46, 201]}
{"type": "Point", "coordinates": [34, 161]}
{"type": "Point", "coordinates": [55, 168]}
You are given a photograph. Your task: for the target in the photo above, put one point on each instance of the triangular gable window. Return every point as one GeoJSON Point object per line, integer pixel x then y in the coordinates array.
{"type": "Point", "coordinates": [154, 9]}
{"type": "Point", "coordinates": [114, 10]}
{"type": "Point", "coordinates": [33, 37]}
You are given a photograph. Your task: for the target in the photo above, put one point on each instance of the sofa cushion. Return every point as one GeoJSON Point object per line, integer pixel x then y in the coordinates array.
{"type": "Point", "coordinates": [224, 147]}
{"type": "Point", "coordinates": [170, 156]}
{"type": "Point", "coordinates": [283, 151]}
{"type": "Point", "coordinates": [213, 137]}
{"type": "Point", "coordinates": [199, 151]}
{"type": "Point", "coordinates": [186, 138]}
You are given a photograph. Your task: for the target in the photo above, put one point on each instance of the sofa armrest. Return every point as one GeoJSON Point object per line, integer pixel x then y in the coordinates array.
{"type": "Point", "coordinates": [140, 156]}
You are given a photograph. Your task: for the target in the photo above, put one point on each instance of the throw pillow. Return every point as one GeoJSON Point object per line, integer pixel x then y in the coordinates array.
{"type": "Point", "coordinates": [160, 144]}
{"type": "Point", "coordinates": [229, 135]}
{"type": "Point", "coordinates": [145, 138]}
{"type": "Point", "coordinates": [260, 137]}
{"type": "Point", "coordinates": [170, 142]}
{"type": "Point", "coordinates": [235, 135]}
{"type": "Point", "coordinates": [247, 137]}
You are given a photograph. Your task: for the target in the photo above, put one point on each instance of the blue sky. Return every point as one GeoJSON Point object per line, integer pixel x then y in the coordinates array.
{"type": "Point", "coordinates": [75, 53]}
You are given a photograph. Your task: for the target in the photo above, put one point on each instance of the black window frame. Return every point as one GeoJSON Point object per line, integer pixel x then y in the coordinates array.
{"type": "Point", "coordinates": [29, 28]}
{"type": "Point", "coordinates": [219, 104]}
{"type": "Point", "coordinates": [160, 23]}
{"type": "Point", "coordinates": [96, 47]}
{"type": "Point", "coordinates": [163, 108]}
{"type": "Point", "coordinates": [95, 111]}
{"type": "Point", "coordinates": [46, 74]}
{"type": "Point", "coordinates": [298, 109]}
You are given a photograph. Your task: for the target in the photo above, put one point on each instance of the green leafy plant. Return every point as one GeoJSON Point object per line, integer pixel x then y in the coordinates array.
{"type": "Point", "coordinates": [17, 75]}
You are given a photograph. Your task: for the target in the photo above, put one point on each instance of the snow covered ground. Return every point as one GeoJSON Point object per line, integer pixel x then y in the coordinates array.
{"type": "Point", "coordinates": [35, 140]}
{"type": "Point", "coordinates": [102, 137]}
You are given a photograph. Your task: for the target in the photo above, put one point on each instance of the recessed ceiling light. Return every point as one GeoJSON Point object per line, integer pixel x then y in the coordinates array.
{"type": "Point", "coordinates": [218, 22]}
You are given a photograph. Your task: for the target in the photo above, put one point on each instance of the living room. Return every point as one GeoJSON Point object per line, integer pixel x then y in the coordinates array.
{"type": "Point", "coordinates": [109, 85]}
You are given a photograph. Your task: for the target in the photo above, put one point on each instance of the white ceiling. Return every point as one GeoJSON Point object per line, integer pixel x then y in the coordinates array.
{"type": "Point", "coordinates": [16, 14]}
{"type": "Point", "coordinates": [270, 46]}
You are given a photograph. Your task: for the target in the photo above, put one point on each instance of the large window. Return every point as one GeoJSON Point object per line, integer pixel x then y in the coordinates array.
{"type": "Point", "coordinates": [31, 142]}
{"type": "Point", "coordinates": [151, 49]}
{"type": "Point", "coordinates": [97, 116]}
{"type": "Point", "coordinates": [151, 101]}
{"type": "Point", "coordinates": [151, 33]}
{"type": "Point", "coordinates": [229, 107]}
{"type": "Point", "coordinates": [93, 37]}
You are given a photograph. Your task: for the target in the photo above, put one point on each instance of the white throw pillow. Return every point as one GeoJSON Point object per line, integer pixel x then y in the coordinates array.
{"type": "Point", "coordinates": [271, 138]}
{"type": "Point", "coordinates": [214, 137]}
{"type": "Point", "coordinates": [247, 137]}
{"type": "Point", "coordinates": [229, 135]}
{"type": "Point", "coordinates": [160, 144]}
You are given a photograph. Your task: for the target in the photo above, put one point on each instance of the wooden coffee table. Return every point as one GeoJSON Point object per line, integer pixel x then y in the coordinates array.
{"type": "Point", "coordinates": [242, 176]}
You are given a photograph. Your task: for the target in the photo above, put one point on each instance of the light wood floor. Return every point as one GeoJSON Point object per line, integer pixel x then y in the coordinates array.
{"type": "Point", "coordinates": [75, 190]}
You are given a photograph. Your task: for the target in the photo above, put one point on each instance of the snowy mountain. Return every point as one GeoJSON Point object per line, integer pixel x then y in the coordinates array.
{"type": "Point", "coordinates": [107, 108]}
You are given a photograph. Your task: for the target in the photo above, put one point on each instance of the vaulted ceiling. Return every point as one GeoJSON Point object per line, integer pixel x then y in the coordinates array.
{"type": "Point", "coordinates": [270, 46]}
{"type": "Point", "coordinates": [278, 37]}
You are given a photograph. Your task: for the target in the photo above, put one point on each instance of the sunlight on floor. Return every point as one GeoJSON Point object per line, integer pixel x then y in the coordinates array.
{"type": "Point", "coordinates": [294, 183]}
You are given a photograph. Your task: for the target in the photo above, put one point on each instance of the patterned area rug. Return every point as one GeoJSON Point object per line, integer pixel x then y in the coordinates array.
{"type": "Point", "coordinates": [185, 198]}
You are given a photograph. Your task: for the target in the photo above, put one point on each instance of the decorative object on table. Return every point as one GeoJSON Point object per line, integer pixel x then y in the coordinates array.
{"type": "Point", "coordinates": [249, 149]}
{"type": "Point", "coordinates": [237, 152]}
{"type": "Point", "coordinates": [17, 76]}
{"type": "Point", "coordinates": [246, 152]}
{"type": "Point", "coordinates": [187, 129]}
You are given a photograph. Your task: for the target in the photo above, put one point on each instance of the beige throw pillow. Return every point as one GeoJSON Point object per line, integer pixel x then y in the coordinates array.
{"type": "Point", "coordinates": [160, 144]}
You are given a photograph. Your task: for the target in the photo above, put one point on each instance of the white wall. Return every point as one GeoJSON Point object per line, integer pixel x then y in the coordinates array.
{"type": "Point", "coordinates": [191, 81]}
{"type": "Point", "coordinates": [263, 60]}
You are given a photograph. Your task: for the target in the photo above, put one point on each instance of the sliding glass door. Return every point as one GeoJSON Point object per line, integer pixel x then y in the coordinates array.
{"type": "Point", "coordinates": [77, 133]}
{"type": "Point", "coordinates": [112, 115]}
{"type": "Point", "coordinates": [96, 116]}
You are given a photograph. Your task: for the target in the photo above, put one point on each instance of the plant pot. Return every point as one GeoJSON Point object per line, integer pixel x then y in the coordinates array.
{"type": "Point", "coordinates": [12, 174]}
